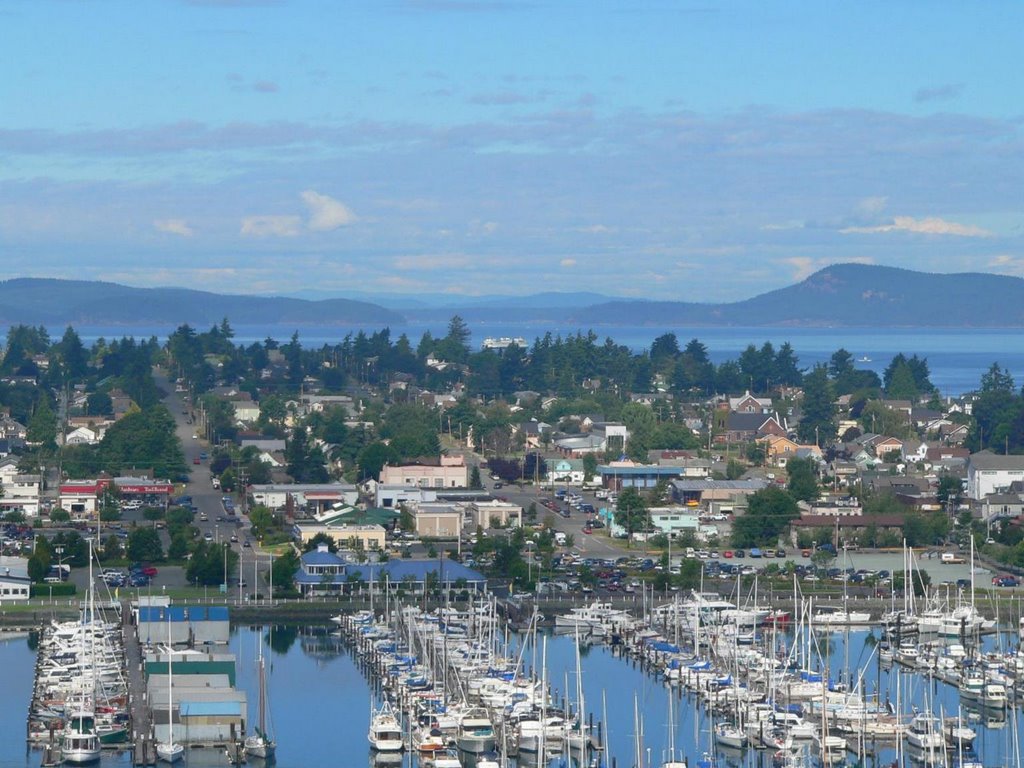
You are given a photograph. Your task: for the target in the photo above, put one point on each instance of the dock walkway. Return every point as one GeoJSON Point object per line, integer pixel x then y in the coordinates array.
{"type": "Point", "coordinates": [141, 715]}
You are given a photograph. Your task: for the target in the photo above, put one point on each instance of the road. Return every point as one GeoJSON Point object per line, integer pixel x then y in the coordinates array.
{"type": "Point", "coordinates": [208, 499]}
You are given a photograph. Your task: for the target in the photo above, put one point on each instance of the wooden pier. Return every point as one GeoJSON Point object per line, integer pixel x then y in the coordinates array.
{"type": "Point", "coordinates": [143, 746]}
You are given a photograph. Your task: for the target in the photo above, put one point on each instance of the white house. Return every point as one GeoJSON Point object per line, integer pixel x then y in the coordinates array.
{"type": "Point", "coordinates": [566, 472]}
{"type": "Point", "coordinates": [82, 436]}
{"type": "Point", "coordinates": [989, 473]}
{"type": "Point", "coordinates": [246, 411]}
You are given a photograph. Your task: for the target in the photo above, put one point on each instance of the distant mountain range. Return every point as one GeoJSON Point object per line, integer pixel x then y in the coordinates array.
{"type": "Point", "coordinates": [36, 301]}
{"type": "Point", "coordinates": [850, 295]}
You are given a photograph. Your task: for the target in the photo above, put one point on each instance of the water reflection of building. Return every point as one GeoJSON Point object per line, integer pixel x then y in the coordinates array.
{"type": "Point", "coordinates": [320, 643]}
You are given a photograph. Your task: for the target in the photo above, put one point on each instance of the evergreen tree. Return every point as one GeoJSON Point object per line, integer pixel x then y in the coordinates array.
{"type": "Point", "coordinates": [42, 429]}
{"type": "Point", "coordinates": [817, 423]}
{"type": "Point", "coordinates": [803, 479]}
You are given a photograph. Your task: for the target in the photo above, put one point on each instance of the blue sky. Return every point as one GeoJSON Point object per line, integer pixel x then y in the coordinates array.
{"type": "Point", "coordinates": [663, 149]}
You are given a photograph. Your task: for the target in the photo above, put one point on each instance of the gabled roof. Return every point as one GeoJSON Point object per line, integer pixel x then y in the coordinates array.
{"type": "Point", "coordinates": [986, 460]}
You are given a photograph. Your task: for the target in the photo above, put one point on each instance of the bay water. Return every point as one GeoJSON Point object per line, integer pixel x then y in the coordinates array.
{"type": "Point", "coordinates": [320, 700]}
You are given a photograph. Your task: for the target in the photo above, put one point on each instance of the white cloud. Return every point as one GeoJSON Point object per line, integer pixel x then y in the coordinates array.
{"type": "Point", "coordinates": [178, 227]}
{"type": "Point", "coordinates": [931, 225]}
{"type": "Point", "coordinates": [432, 261]}
{"type": "Point", "coordinates": [568, 263]}
{"type": "Point", "coordinates": [271, 226]}
{"type": "Point", "coordinates": [326, 213]}
{"type": "Point", "coordinates": [1007, 265]}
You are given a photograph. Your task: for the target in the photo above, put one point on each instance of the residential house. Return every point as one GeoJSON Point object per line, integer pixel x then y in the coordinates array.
{"type": "Point", "coordinates": [20, 492]}
{"type": "Point", "coordinates": [915, 451]}
{"type": "Point", "coordinates": [778, 449]}
{"type": "Point", "coordinates": [886, 445]}
{"type": "Point", "coordinates": [534, 432]}
{"type": "Point", "coordinates": [566, 472]}
{"type": "Point", "coordinates": [82, 436]}
{"type": "Point", "coordinates": [269, 444]}
{"type": "Point", "coordinates": [947, 453]}
{"type": "Point", "coordinates": [745, 427]}
{"type": "Point", "coordinates": [747, 403]}
{"type": "Point", "coordinates": [989, 473]}
{"type": "Point", "coordinates": [904, 407]}
{"type": "Point", "coordinates": [12, 430]}
{"type": "Point", "coordinates": [247, 410]}
{"type": "Point", "coordinates": [1001, 506]}
{"type": "Point", "coordinates": [954, 434]}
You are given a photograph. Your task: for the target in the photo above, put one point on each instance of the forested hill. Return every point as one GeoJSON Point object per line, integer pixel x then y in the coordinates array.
{"type": "Point", "coordinates": [36, 301]}
{"type": "Point", "coordinates": [842, 295]}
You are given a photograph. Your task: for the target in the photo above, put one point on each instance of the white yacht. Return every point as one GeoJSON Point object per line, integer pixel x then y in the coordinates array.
{"type": "Point", "coordinates": [925, 733]}
{"type": "Point", "coordinates": [476, 733]}
{"type": "Point", "coordinates": [80, 743]}
{"type": "Point", "coordinates": [385, 732]}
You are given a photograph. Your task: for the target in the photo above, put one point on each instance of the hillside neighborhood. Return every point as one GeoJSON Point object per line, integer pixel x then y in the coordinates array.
{"type": "Point", "coordinates": [359, 444]}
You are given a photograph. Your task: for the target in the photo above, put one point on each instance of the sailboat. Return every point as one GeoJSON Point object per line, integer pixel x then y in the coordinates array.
{"type": "Point", "coordinates": [261, 743]}
{"type": "Point", "coordinates": [80, 742]}
{"type": "Point", "coordinates": [170, 751]}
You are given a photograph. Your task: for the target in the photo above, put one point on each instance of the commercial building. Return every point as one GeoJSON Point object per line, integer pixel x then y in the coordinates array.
{"type": "Point", "coordinates": [322, 571]}
{"type": "Point", "coordinates": [187, 624]}
{"type": "Point", "coordinates": [438, 521]}
{"type": "Point", "coordinates": [314, 497]}
{"type": "Point", "coordinates": [494, 513]}
{"type": "Point", "coordinates": [15, 585]}
{"type": "Point", "coordinates": [450, 472]}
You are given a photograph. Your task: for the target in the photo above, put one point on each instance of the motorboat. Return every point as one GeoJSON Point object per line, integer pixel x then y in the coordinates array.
{"type": "Point", "coordinates": [80, 743]}
{"type": "Point", "coordinates": [385, 734]}
{"type": "Point", "coordinates": [476, 732]}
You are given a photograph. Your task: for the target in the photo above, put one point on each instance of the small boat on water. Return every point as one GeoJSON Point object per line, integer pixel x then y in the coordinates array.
{"type": "Point", "coordinates": [728, 735]}
{"type": "Point", "coordinates": [476, 732]}
{"type": "Point", "coordinates": [385, 734]}
{"type": "Point", "coordinates": [80, 744]}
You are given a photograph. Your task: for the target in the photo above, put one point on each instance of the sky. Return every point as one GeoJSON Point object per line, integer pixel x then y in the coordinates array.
{"type": "Point", "coordinates": [664, 149]}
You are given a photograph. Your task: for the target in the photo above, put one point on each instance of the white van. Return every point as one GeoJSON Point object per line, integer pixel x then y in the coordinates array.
{"type": "Point", "coordinates": [560, 538]}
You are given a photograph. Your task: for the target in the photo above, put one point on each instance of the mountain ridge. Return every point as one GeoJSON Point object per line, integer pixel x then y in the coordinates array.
{"type": "Point", "coordinates": [52, 301]}
{"type": "Point", "coordinates": [844, 295]}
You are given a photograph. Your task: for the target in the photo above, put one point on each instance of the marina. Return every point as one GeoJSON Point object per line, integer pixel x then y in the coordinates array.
{"type": "Point", "coordinates": [734, 682]}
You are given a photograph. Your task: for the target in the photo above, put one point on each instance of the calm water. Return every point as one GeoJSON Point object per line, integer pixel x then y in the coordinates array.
{"type": "Point", "coordinates": [320, 701]}
{"type": "Point", "coordinates": [957, 358]}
